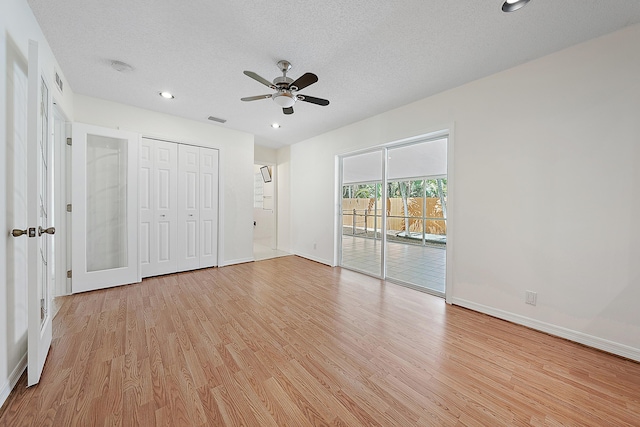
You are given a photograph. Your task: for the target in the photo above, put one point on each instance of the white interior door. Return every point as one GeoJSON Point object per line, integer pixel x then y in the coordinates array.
{"type": "Point", "coordinates": [104, 207]}
{"type": "Point", "coordinates": [14, 166]}
{"type": "Point", "coordinates": [158, 207]}
{"type": "Point", "coordinates": [188, 207]}
{"type": "Point", "coordinates": [208, 207]}
{"type": "Point", "coordinates": [40, 246]}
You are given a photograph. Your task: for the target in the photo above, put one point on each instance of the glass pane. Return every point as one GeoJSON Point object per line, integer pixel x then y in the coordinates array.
{"type": "Point", "coordinates": [416, 215]}
{"type": "Point", "coordinates": [362, 212]}
{"type": "Point", "coordinates": [106, 203]}
{"type": "Point", "coordinates": [43, 192]}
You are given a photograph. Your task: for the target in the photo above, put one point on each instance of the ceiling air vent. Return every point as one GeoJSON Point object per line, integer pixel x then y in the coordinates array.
{"type": "Point", "coordinates": [215, 119]}
{"type": "Point", "coordinates": [59, 82]}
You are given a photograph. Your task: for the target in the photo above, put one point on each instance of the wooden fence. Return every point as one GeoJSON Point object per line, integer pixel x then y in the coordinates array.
{"type": "Point", "coordinates": [395, 209]}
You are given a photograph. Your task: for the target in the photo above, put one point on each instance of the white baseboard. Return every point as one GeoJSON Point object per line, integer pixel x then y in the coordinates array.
{"type": "Point", "coordinates": [316, 259]}
{"type": "Point", "coordinates": [13, 379]}
{"type": "Point", "coordinates": [579, 337]}
{"type": "Point", "coordinates": [236, 261]}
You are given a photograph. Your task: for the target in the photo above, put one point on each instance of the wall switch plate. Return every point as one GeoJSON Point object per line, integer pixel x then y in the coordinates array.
{"type": "Point", "coordinates": [531, 297]}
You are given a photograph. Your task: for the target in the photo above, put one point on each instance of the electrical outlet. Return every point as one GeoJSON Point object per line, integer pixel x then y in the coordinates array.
{"type": "Point", "coordinates": [315, 246]}
{"type": "Point", "coordinates": [531, 297]}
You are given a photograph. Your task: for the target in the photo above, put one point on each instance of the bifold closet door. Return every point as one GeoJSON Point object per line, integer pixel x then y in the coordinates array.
{"type": "Point", "coordinates": [197, 207]}
{"type": "Point", "coordinates": [158, 207]}
{"type": "Point", "coordinates": [208, 207]}
{"type": "Point", "coordinates": [188, 207]}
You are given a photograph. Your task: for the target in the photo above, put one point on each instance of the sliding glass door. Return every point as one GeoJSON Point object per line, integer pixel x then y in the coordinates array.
{"type": "Point", "coordinates": [394, 213]}
{"type": "Point", "coordinates": [361, 216]}
{"type": "Point", "coordinates": [416, 232]}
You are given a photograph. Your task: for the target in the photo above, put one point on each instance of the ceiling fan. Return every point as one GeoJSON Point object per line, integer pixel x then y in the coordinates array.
{"type": "Point", "coordinates": [286, 88]}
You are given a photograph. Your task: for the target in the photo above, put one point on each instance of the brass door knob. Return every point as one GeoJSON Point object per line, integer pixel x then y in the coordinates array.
{"type": "Point", "coordinates": [17, 233]}
{"type": "Point", "coordinates": [50, 230]}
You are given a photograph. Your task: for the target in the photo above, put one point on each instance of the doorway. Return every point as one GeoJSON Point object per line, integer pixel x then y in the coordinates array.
{"type": "Point", "coordinates": [394, 213]}
{"type": "Point", "coordinates": [265, 243]}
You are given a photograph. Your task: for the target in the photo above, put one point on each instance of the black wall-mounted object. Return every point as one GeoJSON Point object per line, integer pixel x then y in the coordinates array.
{"type": "Point", "coordinates": [266, 173]}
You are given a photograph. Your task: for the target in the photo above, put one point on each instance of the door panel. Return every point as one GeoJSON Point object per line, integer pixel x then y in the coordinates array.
{"type": "Point", "coordinates": [362, 243]}
{"type": "Point", "coordinates": [158, 207]}
{"type": "Point", "coordinates": [192, 190]}
{"type": "Point", "coordinates": [105, 208]}
{"type": "Point", "coordinates": [39, 214]}
{"type": "Point", "coordinates": [14, 168]}
{"type": "Point", "coordinates": [188, 208]}
{"type": "Point", "coordinates": [164, 241]}
{"type": "Point", "coordinates": [208, 207]}
{"type": "Point", "coordinates": [145, 246]}
{"type": "Point", "coordinates": [165, 205]}
{"type": "Point", "coordinates": [192, 229]}
{"type": "Point", "coordinates": [146, 209]}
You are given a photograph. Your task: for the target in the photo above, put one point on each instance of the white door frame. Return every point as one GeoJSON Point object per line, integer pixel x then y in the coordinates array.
{"type": "Point", "coordinates": [446, 132]}
{"type": "Point", "coordinates": [62, 178]}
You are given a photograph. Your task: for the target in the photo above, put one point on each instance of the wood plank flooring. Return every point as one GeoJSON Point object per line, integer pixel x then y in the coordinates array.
{"type": "Point", "coordinates": [289, 342]}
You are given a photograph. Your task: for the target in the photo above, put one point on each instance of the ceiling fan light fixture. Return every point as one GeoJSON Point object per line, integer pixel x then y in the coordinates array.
{"type": "Point", "coordinates": [284, 99]}
{"type": "Point", "coordinates": [513, 5]}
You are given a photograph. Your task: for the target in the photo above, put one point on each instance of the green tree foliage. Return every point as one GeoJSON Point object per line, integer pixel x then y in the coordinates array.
{"type": "Point", "coordinates": [395, 189]}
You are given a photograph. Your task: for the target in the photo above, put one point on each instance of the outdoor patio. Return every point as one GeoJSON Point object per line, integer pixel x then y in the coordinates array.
{"type": "Point", "coordinates": [421, 266]}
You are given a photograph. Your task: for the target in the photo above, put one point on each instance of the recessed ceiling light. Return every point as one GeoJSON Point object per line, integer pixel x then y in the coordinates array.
{"type": "Point", "coordinates": [513, 5]}
{"type": "Point", "coordinates": [275, 125]}
{"type": "Point", "coordinates": [166, 95]}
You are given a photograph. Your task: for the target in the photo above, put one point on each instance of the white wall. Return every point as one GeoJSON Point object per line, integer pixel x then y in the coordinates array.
{"type": "Point", "coordinates": [17, 27]}
{"type": "Point", "coordinates": [284, 199]}
{"type": "Point", "coordinates": [236, 162]}
{"type": "Point", "coordinates": [264, 155]}
{"type": "Point", "coordinates": [546, 196]}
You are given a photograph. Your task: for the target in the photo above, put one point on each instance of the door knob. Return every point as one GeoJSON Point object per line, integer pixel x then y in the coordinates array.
{"type": "Point", "coordinates": [31, 232]}
{"type": "Point", "coordinates": [50, 230]}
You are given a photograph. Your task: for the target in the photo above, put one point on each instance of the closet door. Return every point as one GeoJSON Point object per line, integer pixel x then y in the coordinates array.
{"type": "Point", "coordinates": [158, 207]}
{"type": "Point", "coordinates": [208, 207]}
{"type": "Point", "coordinates": [188, 207]}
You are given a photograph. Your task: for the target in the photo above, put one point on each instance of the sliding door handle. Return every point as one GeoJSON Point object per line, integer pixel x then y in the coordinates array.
{"type": "Point", "coordinates": [50, 230]}
{"type": "Point", "coordinates": [31, 232]}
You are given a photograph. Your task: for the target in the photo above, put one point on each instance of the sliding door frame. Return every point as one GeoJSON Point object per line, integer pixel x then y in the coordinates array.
{"type": "Point", "coordinates": [447, 133]}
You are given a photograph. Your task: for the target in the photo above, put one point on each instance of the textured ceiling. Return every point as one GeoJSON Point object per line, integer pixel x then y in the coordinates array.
{"type": "Point", "coordinates": [370, 55]}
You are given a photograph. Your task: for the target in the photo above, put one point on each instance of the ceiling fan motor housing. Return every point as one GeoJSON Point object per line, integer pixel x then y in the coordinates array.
{"type": "Point", "coordinates": [282, 81]}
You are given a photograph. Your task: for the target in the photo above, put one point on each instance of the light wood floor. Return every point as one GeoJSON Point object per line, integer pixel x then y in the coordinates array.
{"type": "Point", "coordinates": [289, 342]}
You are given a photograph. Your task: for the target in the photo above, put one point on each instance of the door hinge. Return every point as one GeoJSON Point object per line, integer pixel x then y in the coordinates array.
{"type": "Point", "coordinates": [68, 274]}
{"type": "Point", "coordinates": [69, 207]}
{"type": "Point", "coordinates": [68, 141]}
